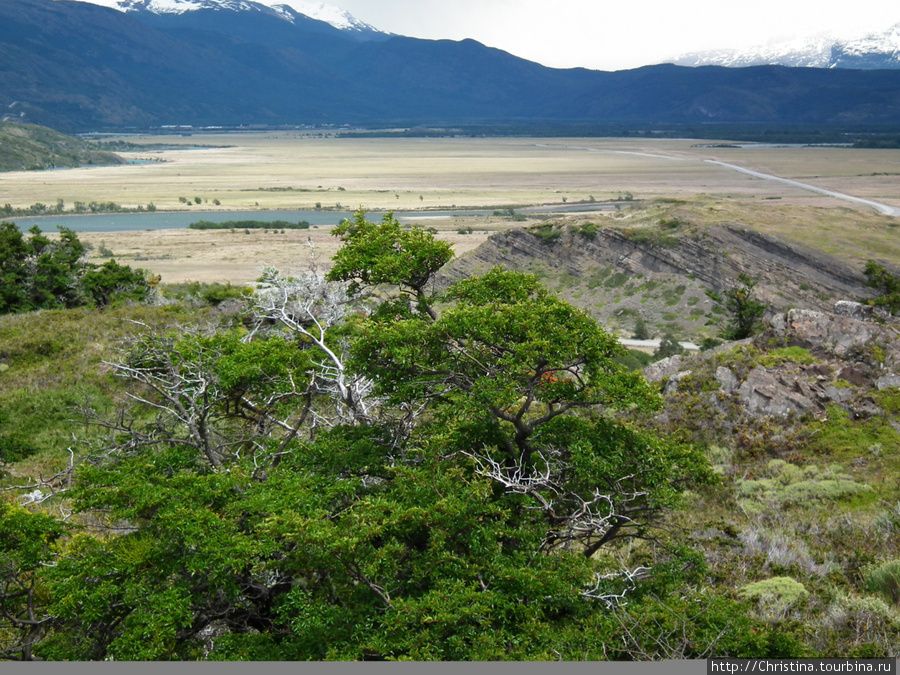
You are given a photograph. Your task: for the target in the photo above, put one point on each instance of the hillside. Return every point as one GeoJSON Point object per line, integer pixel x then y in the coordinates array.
{"type": "Point", "coordinates": [26, 147]}
{"type": "Point", "coordinates": [654, 262]}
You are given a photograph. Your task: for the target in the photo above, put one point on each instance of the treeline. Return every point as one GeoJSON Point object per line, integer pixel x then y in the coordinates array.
{"type": "Point", "coordinates": [250, 225]}
{"type": "Point", "coordinates": [59, 207]}
{"type": "Point", "coordinates": [40, 273]}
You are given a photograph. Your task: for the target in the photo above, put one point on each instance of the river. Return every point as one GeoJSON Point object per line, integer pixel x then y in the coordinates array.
{"type": "Point", "coordinates": [174, 220]}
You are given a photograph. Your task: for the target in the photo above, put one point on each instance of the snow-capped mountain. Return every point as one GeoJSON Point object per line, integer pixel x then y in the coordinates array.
{"type": "Point", "coordinates": [872, 51]}
{"type": "Point", "coordinates": [322, 11]}
{"type": "Point", "coordinates": [284, 9]}
{"type": "Point", "coordinates": [882, 50]}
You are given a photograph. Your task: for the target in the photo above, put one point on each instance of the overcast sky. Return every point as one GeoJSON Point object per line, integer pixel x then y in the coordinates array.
{"type": "Point", "coordinates": [619, 34]}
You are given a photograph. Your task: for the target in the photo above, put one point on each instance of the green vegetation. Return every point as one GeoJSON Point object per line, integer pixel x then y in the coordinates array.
{"type": "Point", "coordinates": [212, 294]}
{"type": "Point", "coordinates": [788, 484]}
{"type": "Point", "coordinates": [548, 233]}
{"type": "Point", "coordinates": [652, 237]}
{"type": "Point", "coordinates": [668, 346]}
{"type": "Point", "coordinates": [780, 589]}
{"type": "Point", "coordinates": [744, 313]}
{"type": "Point", "coordinates": [511, 214]}
{"type": "Point", "coordinates": [885, 580]}
{"type": "Point", "coordinates": [775, 357]}
{"type": "Point", "coordinates": [588, 230]}
{"type": "Point", "coordinates": [28, 147]}
{"type": "Point", "coordinates": [368, 466]}
{"type": "Point", "coordinates": [250, 225]}
{"type": "Point", "coordinates": [886, 284]}
{"type": "Point", "coordinates": [40, 273]}
{"type": "Point", "coordinates": [444, 477]}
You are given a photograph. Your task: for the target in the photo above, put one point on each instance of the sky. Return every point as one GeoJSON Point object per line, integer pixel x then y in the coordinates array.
{"type": "Point", "coordinates": [620, 34]}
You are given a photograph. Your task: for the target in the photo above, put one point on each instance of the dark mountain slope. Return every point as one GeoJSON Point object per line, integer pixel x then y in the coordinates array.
{"type": "Point", "coordinates": [76, 66]}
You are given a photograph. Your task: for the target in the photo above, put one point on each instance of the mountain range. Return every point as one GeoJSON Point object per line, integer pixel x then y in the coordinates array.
{"type": "Point", "coordinates": [77, 66]}
{"type": "Point", "coordinates": [871, 51]}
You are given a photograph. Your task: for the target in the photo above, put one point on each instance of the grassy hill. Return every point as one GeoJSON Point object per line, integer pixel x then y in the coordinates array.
{"type": "Point", "coordinates": [26, 147]}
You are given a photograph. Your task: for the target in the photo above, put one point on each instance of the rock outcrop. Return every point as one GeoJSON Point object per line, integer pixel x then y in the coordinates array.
{"type": "Point", "coordinates": [804, 362]}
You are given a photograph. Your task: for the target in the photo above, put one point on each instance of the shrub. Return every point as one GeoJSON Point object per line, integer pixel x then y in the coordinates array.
{"type": "Point", "coordinates": [547, 233]}
{"type": "Point", "coordinates": [886, 284]}
{"type": "Point", "coordinates": [776, 357]}
{"type": "Point", "coordinates": [745, 312]}
{"type": "Point", "coordinates": [589, 230]}
{"type": "Point", "coordinates": [782, 589]}
{"type": "Point", "coordinates": [885, 580]}
{"type": "Point", "coordinates": [789, 485]}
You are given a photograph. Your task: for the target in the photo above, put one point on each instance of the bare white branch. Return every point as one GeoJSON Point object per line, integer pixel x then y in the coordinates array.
{"type": "Point", "coordinates": [611, 599]}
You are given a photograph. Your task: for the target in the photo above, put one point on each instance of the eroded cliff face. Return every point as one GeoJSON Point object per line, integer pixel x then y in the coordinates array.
{"type": "Point", "coordinates": [661, 277]}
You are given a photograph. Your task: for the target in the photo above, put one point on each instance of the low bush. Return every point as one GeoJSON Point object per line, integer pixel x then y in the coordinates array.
{"type": "Point", "coordinates": [885, 580]}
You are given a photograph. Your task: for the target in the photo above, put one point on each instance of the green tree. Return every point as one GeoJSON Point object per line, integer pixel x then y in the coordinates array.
{"type": "Point", "coordinates": [384, 253]}
{"type": "Point", "coordinates": [111, 282]}
{"type": "Point", "coordinates": [26, 541]}
{"type": "Point", "coordinates": [744, 312]}
{"type": "Point", "coordinates": [13, 268]}
{"type": "Point", "coordinates": [886, 284]}
{"type": "Point", "coordinates": [641, 332]}
{"type": "Point", "coordinates": [668, 346]}
{"type": "Point", "coordinates": [53, 270]}
{"type": "Point", "coordinates": [42, 273]}
{"type": "Point", "coordinates": [446, 478]}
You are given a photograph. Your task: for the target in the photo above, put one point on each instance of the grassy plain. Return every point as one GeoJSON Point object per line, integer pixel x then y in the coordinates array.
{"type": "Point", "coordinates": [296, 170]}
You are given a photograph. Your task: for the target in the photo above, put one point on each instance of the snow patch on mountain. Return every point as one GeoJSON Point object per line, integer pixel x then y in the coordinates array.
{"type": "Point", "coordinates": [824, 50]}
{"type": "Point", "coordinates": [285, 9]}
{"type": "Point", "coordinates": [322, 11]}
{"type": "Point", "coordinates": [886, 43]}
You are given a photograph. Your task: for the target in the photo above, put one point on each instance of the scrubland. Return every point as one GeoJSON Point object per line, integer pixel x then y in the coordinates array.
{"type": "Point", "coordinates": [788, 549]}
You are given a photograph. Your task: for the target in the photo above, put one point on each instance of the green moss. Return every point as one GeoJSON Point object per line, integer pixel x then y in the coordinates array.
{"type": "Point", "coordinates": [777, 357]}
{"type": "Point", "coordinates": [840, 436]}
{"type": "Point", "coordinates": [888, 399]}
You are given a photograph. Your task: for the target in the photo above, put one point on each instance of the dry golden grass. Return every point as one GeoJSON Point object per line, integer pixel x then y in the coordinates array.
{"type": "Point", "coordinates": [224, 256]}
{"type": "Point", "coordinates": [295, 170]}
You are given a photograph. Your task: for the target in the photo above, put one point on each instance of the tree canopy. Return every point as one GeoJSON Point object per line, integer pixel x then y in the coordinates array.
{"type": "Point", "coordinates": [448, 477]}
{"type": "Point", "coordinates": [41, 273]}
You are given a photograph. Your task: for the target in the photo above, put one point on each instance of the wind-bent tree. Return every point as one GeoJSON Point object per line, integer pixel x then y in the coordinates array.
{"type": "Point", "coordinates": [445, 478]}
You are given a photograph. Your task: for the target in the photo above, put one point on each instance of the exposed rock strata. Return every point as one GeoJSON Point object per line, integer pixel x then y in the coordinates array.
{"type": "Point", "coordinates": [694, 260]}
